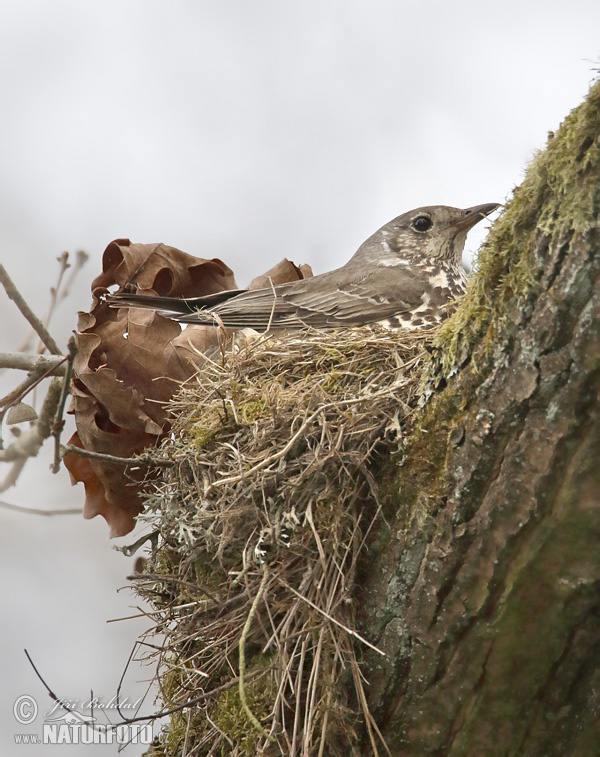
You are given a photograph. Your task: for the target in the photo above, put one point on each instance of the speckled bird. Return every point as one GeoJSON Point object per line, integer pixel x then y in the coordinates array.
{"type": "Point", "coordinates": [406, 275]}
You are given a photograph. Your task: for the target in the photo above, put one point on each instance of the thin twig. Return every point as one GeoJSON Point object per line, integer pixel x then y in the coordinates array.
{"type": "Point", "coordinates": [38, 326]}
{"type": "Point", "coordinates": [63, 261]}
{"type": "Point", "coordinates": [39, 511]}
{"type": "Point", "coordinates": [145, 459]}
{"type": "Point", "coordinates": [59, 423]}
{"type": "Point", "coordinates": [39, 368]}
{"type": "Point", "coordinates": [191, 702]}
{"type": "Point", "coordinates": [63, 265]}
{"type": "Point", "coordinates": [23, 389]}
{"type": "Point", "coordinates": [16, 395]}
{"type": "Point", "coordinates": [61, 291]}
{"type": "Point", "coordinates": [81, 258]}
{"type": "Point", "coordinates": [151, 718]}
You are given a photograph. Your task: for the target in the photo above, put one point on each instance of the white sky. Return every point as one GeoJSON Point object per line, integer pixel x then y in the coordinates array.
{"type": "Point", "coordinates": [249, 131]}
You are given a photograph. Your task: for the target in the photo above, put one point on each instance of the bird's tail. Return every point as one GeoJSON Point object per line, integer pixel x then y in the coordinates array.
{"type": "Point", "coordinates": [172, 305]}
{"type": "Point", "coordinates": [148, 302]}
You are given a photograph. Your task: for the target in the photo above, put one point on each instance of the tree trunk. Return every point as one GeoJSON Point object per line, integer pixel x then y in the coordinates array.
{"type": "Point", "coordinates": [483, 587]}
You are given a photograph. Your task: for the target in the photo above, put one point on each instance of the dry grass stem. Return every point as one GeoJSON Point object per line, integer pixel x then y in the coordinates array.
{"type": "Point", "coordinates": [263, 519]}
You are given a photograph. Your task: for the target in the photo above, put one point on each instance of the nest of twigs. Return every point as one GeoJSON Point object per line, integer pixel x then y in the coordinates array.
{"type": "Point", "coordinates": [262, 521]}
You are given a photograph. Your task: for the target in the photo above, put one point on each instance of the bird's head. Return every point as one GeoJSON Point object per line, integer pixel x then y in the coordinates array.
{"type": "Point", "coordinates": [435, 232]}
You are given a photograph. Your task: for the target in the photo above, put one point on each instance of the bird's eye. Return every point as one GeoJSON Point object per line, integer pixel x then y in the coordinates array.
{"type": "Point", "coordinates": [422, 223]}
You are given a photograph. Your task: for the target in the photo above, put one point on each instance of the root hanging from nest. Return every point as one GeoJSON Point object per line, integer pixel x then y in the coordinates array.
{"type": "Point", "coordinates": [263, 521]}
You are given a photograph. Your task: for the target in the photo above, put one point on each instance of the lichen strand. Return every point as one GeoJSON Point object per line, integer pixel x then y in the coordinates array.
{"type": "Point", "coordinates": [557, 200]}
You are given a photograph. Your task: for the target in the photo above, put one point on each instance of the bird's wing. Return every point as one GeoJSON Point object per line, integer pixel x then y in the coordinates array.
{"type": "Point", "coordinates": [349, 296]}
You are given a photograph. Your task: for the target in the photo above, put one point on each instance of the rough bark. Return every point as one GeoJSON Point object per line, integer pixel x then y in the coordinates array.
{"type": "Point", "coordinates": [483, 589]}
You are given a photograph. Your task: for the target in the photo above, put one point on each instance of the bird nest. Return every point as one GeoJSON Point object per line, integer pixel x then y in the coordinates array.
{"type": "Point", "coordinates": [263, 520]}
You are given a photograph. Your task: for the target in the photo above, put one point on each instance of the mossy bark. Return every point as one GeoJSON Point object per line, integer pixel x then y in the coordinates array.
{"type": "Point", "coordinates": [484, 589]}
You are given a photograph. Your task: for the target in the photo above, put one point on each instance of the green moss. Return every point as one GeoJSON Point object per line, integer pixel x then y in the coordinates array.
{"type": "Point", "coordinates": [332, 382]}
{"type": "Point", "coordinates": [230, 717]}
{"type": "Point", "coordinates": [247, 405]}
{"type": "Point", "coordinates": [508, 273]}
{"type": "Point", "coordinates": [251, 410]}
{"type": "Point", "coordinates": [201, 434]}
{"type": "Point", "coordinates": [419, 484]}
{"type": "Point", "coordinates": [173, 737]}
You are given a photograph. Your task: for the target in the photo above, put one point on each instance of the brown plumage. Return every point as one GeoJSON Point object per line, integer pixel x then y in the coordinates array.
{"type": "Point", "coordinates": [405, 275]}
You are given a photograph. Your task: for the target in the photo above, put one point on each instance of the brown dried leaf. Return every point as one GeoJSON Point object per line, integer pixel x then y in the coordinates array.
{"type": "Point", "coordinates": [130, 362]}
{"type": "Point", "coordinates": [118, 504]}
{"type": "Point", "coordinates": [282, 273]}
{"type": "Point", "coordinates": [165, 270]}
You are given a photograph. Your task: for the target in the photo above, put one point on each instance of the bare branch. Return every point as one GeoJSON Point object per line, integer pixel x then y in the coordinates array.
{"type": "Point", "coordinates": [37, 363]}
{"type": "Point", "coordinates": [13, 474]}
{"type": "Point", "coordinates": [63, 261]}
{"type": "Point", "coordinates": [19, 393]}
{"type": "Point", "coordinates": [39, 368]}
{"type": "Point", "coordinates": [81, 258]}
{"type": "Point", "coordinates": [14, 294]}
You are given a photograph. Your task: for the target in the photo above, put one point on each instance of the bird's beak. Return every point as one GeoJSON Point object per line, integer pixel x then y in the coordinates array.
{"type": "Point", "coordinates": [471, 216]}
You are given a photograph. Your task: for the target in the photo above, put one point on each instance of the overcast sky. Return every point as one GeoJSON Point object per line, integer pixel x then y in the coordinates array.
{"type": "Point", "coordinates": [249, 130]}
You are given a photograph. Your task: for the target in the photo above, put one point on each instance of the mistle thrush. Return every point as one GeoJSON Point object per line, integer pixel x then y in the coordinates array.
{"type": "Point", "coordinates": [406, 275]}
